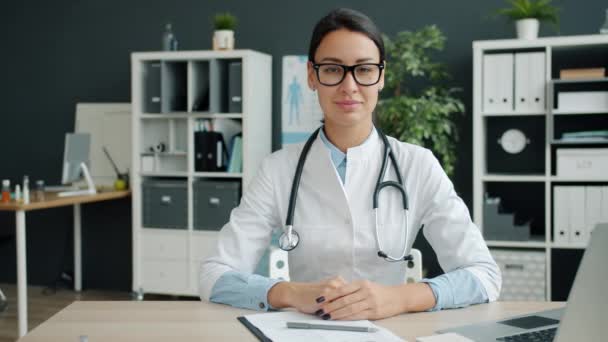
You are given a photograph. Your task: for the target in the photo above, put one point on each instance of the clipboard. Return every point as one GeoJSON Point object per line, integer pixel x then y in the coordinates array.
{"type": "Point", "coordinates": [253, 329]}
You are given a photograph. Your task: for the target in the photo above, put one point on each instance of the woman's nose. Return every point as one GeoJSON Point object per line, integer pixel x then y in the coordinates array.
{"type": "Point", "coordinates": [349, 84]}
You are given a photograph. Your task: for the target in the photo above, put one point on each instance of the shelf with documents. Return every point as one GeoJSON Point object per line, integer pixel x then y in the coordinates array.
{"type": "Point", "coordinates": [580, 81]}
{"type": "Point", "coordinates": [543, 113]}
{"type": "Point", "coordinates": [513, 178]}
{"type": "Point", "coordinates": [520, 131]}
{"type": "Point", "coordinates": [218, 174]}
{"type": "Point", "coordinates": [575, 112]}
{"type": "Point", "coordinates": [188, 107]}
{"type": "Point", "coordinates": [580, 142]}
{"type": "Point", "coordinates": [516, 244]}
{"type": "Point", "coordinates": [563, 246]}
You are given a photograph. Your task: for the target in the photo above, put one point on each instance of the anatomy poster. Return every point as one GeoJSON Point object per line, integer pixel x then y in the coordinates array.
{"type": "Point", "coordinates": [301, 113]}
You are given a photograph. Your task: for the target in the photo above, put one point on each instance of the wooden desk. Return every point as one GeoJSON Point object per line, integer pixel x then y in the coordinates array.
{"type": "Point", "coordinates": [50, 201]}
{"type": "Point", "coordinates": [202, 321]}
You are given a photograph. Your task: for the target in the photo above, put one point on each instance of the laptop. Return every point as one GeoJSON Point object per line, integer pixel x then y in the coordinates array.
{"type": "Point", "coordinates": [581, 320]}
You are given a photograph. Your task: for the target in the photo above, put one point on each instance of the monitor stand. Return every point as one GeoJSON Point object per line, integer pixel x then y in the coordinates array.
{"type": "Point", "coordinates": [91, 186]}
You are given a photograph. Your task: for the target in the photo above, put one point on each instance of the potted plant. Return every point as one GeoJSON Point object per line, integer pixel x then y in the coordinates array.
{"type": "Point", "coordinates": [528, 14]}
{"type": "Point", "coordinates": [425, 115]}
{"type": "Point", "coordinates": [223, 36]}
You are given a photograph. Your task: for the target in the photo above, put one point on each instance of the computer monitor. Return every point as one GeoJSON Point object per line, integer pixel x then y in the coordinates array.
{"type": "Point", "coordinates": [75, 160]}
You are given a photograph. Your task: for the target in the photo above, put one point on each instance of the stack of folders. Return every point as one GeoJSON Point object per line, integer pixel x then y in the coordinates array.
{"type": "Point", "coordinates": [585, 136]}
{"type": "Point", "coordinates": [236, 155]}
{"type": "Point", "coordinates": [581, 73]}
{"type": "Point", "coordinates": [576, 212]}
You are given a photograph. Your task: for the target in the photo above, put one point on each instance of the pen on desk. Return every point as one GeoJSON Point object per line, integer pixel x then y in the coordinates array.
{"type": "Point", "coordinates": [299, 325]}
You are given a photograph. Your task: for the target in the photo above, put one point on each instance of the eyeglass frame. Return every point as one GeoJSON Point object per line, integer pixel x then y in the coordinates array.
{"type": "Point", "coordinates": [346, 69]}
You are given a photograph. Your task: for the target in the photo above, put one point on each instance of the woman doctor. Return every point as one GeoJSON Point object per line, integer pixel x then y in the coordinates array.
{"type": "Point", "coordinates": [348, 264]}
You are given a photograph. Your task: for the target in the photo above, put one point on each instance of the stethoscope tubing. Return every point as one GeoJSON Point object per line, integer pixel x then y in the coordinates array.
{"type": "Point", "coordinates": [290, 234]}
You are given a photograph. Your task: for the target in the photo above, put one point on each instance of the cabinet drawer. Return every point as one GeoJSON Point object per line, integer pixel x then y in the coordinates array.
{"type": "Point", "coordinates": [165, 276]}
{"type": "Point", "coordinates": [203, 244]}
{"type": "Point", "coordinates": [160, 245]}
{"type": "Point", "coordinates": [523, 274]}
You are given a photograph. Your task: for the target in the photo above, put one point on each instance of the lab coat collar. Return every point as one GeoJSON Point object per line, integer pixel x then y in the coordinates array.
{"type": "Point", "coordinates": [365, 151]}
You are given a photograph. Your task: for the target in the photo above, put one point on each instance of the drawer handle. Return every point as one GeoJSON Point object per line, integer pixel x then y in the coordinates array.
{"type": "Point", "coordinates": [514, 267]}
{"type": "Point", "coordinates": [165, 200]}
{"type": "Point", "coordinates": [214, 202]}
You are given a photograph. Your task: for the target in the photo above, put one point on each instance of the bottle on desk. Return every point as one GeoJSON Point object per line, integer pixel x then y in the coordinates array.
{"type": "Point", "coordinates": [40, 190]}
{"type": "Point", "coordinates": [6, 191]}
{"type": "Point", "coordinates": [26, 189]}
{"type": "Point", "coordinates": [18, 198]}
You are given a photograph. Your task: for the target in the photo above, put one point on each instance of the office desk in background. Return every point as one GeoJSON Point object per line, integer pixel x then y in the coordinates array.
{"type": "Point", "coordinates": [51, 201]}
{"type": "Point", "coordinates": [203, 321]}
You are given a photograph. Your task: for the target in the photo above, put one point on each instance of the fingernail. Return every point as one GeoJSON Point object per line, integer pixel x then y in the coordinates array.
{"type": "Point", "coordinates": [319, 312]}
{"type": "Point", "coordinates": [326, 316]}
{"type": "Point", "coordinates": [320, 299]}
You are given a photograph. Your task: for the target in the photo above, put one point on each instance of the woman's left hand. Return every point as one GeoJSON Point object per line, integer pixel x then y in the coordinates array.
{"type": "Point", "coordinates": [368, 300]}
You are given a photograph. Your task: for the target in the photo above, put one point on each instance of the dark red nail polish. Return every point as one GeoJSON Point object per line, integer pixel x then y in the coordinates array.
{"type": "Point", "coordinates": [326, 316]}
{"type": "Point", "coordinates": [320, 299]}
{"type": "Point", "coordinates": [319, 312]}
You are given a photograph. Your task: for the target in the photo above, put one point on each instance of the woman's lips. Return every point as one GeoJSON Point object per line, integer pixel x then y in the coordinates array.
{"type": "Point", "coordinates": [348, 104]}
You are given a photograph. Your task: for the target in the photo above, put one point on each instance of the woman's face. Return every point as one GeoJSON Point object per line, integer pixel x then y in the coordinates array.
{"type": "Point", "coordinates": [347, 103]}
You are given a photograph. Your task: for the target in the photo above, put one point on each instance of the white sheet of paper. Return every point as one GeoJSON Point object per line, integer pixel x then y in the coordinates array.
{"type": "Point", "coordinates": [448, 337]}
{"type": "Point", "coordinates": [274, 326]}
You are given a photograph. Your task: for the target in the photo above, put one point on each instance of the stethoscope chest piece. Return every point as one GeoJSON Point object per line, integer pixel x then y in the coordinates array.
{"type": "Point", "coordinates": [289, 239]}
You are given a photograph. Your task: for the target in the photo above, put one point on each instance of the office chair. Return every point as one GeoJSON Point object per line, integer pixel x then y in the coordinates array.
{"type": "Point", "coordinates": [279, 269]}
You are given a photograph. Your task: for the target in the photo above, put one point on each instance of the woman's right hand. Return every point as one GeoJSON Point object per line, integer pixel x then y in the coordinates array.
{"type": "Point", "coordinates": [302, 296]}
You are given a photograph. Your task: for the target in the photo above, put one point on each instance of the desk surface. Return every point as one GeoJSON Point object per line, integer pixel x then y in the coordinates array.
{"type": "Point", "coordinates": [51, 200]}
{"type": "Point", "coordinates": [202, 321]}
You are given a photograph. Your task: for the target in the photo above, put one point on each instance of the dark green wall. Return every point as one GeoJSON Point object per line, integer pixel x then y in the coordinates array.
{"type": "Point", "coordinates": [57, 53]}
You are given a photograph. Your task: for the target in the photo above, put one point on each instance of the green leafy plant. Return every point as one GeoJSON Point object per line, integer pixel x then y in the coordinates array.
{"type": "Point", "coordinates": [224, 21]}
{"type": "Point", "coordinates": [531, 9]}
{"type": "Point", "coordinates": [425, 116]}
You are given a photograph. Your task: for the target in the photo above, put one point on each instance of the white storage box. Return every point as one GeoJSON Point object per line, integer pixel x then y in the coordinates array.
{"type": "Point", "coordinates": [523, 274]}
{"type": "Point", "coordinates": [582, 163]}
{"type": "Point", "coordinates": [580, 101]}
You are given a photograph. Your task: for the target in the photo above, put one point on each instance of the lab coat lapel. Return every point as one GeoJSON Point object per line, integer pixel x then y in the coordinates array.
{"type": "Point", "coordinates": [320, 189]}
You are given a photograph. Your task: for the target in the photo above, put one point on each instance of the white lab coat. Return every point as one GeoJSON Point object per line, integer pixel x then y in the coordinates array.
{"type": "Point", "coordinates": [336, 222]}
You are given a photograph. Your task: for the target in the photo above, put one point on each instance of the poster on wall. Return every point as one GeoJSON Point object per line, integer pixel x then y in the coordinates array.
{"type": "Point", "coordinates": [300, 110]}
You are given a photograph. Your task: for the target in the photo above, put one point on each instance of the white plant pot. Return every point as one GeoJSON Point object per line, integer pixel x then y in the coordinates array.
{"type": "Point", "coordinates": [223, 40]}
{"type": "Point", "coordinates": [527, 28]}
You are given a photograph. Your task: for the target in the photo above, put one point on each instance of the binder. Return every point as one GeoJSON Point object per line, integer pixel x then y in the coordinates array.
{"type": "Point", "coordinates": [210, 152]}
{"type": "Point", "coordinates": [217, 84]}
{"type": "Point", "coordinates": [152, 97]}
{"type": "Point", "coordinates": [593, 208]}
{"type": "Point", "coordinates": [561, 215]}
{"type": "Point", "coordinates": [236, 155]}
{"type": "Point", "coordinates": [529, 81]}
{"type": "Point", "coordinates": [576, 200]}
{"type": "Point", "coordinates": [235, 87]}
{"type": "Point", "coordinates": [498, 82]}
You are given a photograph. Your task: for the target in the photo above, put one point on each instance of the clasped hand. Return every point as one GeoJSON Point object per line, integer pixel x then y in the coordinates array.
{"type": "Point", "coordinates": [338, 300]}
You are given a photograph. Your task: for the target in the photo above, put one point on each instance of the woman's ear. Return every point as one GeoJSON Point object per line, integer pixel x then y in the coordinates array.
{"type": "Point", "coordinates": [381, 82]}
{"type": "Point", "coordinates": [311, 76]}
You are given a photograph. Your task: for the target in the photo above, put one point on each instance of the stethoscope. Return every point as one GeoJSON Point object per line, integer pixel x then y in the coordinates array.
{"type": "Point", "coordinates": [290, 237]}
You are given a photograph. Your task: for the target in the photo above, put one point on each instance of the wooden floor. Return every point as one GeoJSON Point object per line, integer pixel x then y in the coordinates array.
{"type": "Point", "coordinates": [42, 306]}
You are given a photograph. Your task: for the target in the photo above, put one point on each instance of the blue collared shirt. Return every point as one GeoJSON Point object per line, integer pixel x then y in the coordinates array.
{"type": "Point", "coordinates": [454, 289]}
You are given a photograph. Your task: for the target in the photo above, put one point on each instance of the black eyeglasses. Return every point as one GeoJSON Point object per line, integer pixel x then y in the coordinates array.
{"type": "Point", "coordinates": [366, 74]}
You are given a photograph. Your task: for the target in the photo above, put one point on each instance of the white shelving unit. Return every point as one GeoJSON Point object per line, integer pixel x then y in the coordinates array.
{"type": "Point", "coordinates": [194, 85]}
{"type": "Point", "coordinates": [559, 52]}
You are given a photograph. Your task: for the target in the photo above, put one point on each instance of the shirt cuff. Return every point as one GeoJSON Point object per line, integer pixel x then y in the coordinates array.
{"type": "Point", "coordinates": [249, 291]}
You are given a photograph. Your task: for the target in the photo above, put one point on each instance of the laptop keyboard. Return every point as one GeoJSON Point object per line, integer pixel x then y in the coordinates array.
{"type": "Point", "coordinates": [546, 335]}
